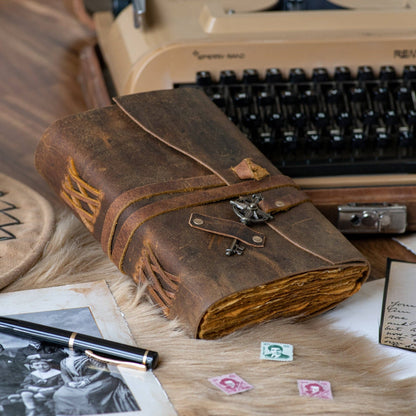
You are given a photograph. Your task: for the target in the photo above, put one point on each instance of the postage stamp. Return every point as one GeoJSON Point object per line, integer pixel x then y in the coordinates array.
{"type": "Point", "coordinates": [231, 384]}
{"type": "Point", "coordinates": [314, 388]}
{"type": "Point", "coordinates": [276, 351]}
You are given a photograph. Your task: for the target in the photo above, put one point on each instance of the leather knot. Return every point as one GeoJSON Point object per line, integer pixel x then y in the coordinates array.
{"type": "Point", "coordinates": [247, 169]}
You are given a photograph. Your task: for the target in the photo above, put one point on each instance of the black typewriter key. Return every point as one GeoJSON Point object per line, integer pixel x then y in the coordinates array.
{"type": "Point", "coordinates": [320, 75]}
{"type": "Point", "coordinates": [337, 141]}
{"type": "Point", "coordinates": [387, 73]}
{"type": "Point", "coordinates": [370, 117]}
{"type": "Point", "coordinates": [298, 120]}
{"type": "Point", "coordinates": [266, 143]}
{"type": "Point", "coordinates": [321, 120]}
{"type": "Point", "coordinates": [391, 118]}
{"type": "Point", "coordinates": [313, 141]}
{"type": "Point", "coordinates": [359, 144]}
{"type": "Point", "coordinates": [309, 97]}
{"type": "Point", "coordinates": [251, 121]}
{"type": "Point", "coordinates": [411, 118]}
{"type": "Point", "coordinates": [218, 99]}
{"type": "Point", "coordinates": [228, 77]}
{"type": "Point", "coordinates": [404, 94]}
{"type": "Point", "coordinates": [297, 75]}
{"type": "Point", "coordinates": [405, 137]}
{"type": "Point", "coordinates": [382, 138]}
{"type": "Point", "coordinates": [365, 73]}
{"type": "Point", "coordinates": [344, 119]}
{"type": "Point", "coordinates": [357, 94]}
{"type": "Point", "coordinates": [275, 120]}
{"type": "Point", "coordinates": [273, 75]}
{"type": "Point", "coordinates": [381, 94]}
{"type": "Point", "coordinates": [358, 139]}
{"type": "Point", "coordinates": [203, 78]}
{"type": "Point", "coordinates": [265, 99]}
{"type": "Point", "coordinates": [409, 72]}
{"type": "Point", "coordinates": [250, 76]}
{"type": "Point", "coordinates": [241, 99]}
{"type": "Point", "coordinates": [406, 142]}
{"type": "Point", "coordinates": [334, 95]}
{"type": "Point", "coordinates": [288, 97]}
{"type": "Point", "coordinates": [342, 73]}
{"type": "Point", "coordinates": [289, 142]}
{"type": "Point", "coordinates": [384, 143]}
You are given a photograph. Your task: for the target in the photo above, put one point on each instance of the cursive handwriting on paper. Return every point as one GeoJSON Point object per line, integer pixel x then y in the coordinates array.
{"type": "Point", "coordinates": [399, 329]}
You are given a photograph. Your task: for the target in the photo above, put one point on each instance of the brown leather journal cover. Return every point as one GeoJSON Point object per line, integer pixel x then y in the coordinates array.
{"type": "Point", "coordinates": [182, 202]}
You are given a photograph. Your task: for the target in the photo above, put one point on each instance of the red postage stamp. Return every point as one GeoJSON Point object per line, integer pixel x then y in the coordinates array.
{"type": "Point", "coordinates": [230, 383]}
{"type": "Point", "coordinates": [313, 388]}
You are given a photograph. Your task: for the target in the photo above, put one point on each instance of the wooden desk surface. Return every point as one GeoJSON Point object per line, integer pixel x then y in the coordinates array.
{"type": "Point", "coordinates": [40, 43]}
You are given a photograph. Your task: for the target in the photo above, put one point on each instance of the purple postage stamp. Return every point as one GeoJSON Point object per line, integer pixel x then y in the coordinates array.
{"type": "Point", "coordinates": [313, 388]}
{"type": "Point", "coordinates": [230, 384]}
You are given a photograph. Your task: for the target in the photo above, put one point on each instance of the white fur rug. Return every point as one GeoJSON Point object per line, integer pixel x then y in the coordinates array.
{"type": "Point", "coordinates": [360, 380]}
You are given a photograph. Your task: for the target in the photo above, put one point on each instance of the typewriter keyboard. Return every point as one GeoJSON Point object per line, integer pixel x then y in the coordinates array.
{"type": "Point", "coordinates": [323, 124]}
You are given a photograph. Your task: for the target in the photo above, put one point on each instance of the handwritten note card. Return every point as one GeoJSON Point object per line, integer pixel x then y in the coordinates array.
{"type": "Point", "coordinates": [398, 319]}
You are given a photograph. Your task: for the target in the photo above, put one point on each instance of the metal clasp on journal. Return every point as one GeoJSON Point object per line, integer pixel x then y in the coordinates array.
{"type": "Point", "coordinates": [247, 210]}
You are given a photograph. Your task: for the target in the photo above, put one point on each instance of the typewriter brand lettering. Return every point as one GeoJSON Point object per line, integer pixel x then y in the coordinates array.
{"type": "Point", "coordinates": [207, 56]}
{"type": "Point", "coordinates": [404, 53]}
{"type": "Point", "coordinates": [236, 55]}
{"type": "Point", "coordinates": [217, 56]}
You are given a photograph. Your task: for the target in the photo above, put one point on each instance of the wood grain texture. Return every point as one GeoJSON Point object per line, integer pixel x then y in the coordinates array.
{"type": "Point", "coordinates": [41, 42]}
{"type": "Point", "coordinates": [40, 46]}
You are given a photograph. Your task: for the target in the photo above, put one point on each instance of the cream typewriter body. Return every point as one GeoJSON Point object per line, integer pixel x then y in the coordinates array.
{"type": "Point", "coordinates": [179, 38]}
{"type": "Point", "coordinates": [329, 96]}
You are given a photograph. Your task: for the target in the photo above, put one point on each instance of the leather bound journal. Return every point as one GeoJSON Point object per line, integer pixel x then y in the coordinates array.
{"type": "Point", "coordinates": [182, 202]}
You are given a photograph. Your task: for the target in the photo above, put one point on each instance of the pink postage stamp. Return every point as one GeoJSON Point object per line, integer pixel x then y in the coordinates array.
{"type": "Point", "coordinates": [313, 388]}
{"type": "Point", "coordinates": [230, 384]}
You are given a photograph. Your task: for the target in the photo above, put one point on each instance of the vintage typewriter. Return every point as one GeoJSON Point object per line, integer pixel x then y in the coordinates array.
{"type": "Point", "coordinates": [326, 89]}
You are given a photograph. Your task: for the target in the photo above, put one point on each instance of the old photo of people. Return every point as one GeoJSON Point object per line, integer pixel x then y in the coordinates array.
{"type": "Point", "coordinates": [39, 379]}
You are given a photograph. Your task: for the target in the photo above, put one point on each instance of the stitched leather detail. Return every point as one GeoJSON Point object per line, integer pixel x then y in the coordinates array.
{"type": "Point", "coordinates": [201, 197]}
{"type": "Point", "coordinates": [162, 285]}
{"type": "Point", "coordinates": [83, 198]}
{"type": "Point", "coordinates": [146, 192]}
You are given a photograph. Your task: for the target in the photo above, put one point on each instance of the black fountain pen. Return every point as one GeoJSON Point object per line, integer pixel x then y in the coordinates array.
{"type": "Point", "coordinates": [99, 349]}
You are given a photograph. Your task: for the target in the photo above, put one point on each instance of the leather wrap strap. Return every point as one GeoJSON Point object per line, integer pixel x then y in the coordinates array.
{"type": "Point", "coordinates": [201, 197]}
{"type": "Point", "coordinates": [227, 228]}
{"type": "Point", "coordinates": [131, 196]}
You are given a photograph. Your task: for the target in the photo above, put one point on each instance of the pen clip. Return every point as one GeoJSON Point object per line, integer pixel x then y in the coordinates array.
{"type": "Point", "coordinates": [106, 360]}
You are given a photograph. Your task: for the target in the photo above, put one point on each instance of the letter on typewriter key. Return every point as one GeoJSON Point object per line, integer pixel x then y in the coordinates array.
{"type": "Point", "coordinates": [250, 76]}
{"type": "Point", "coordinates": [320, 75]}
{"type": "Point", "coordinates": [273, 75]}
{"type": "Point", "coordinates": [297, 75]}
{"type": "Point", "coordinates": [203, 78]}
{"type": "Point", "coordinates": [228, 77]}
{"type": "Point", "coordinates": [365, 73]}
{"type": "Point", "coordinates": [342, 73]}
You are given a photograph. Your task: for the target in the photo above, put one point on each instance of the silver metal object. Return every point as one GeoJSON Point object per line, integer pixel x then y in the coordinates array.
{"type": "Point", "coordinates": [139, 10]}
{"type": "Point", "coordinates": [372, 218]}
{"type": "Point", "coordinates": [246, 208]}
{"type": "Point", "coordinates": [235, 248]}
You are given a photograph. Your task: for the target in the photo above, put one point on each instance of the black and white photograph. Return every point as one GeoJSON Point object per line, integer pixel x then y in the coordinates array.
{"type": "Point", "coordinates": [44, 379]}
{"type": "Point", "coordinates": [41, 379]}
